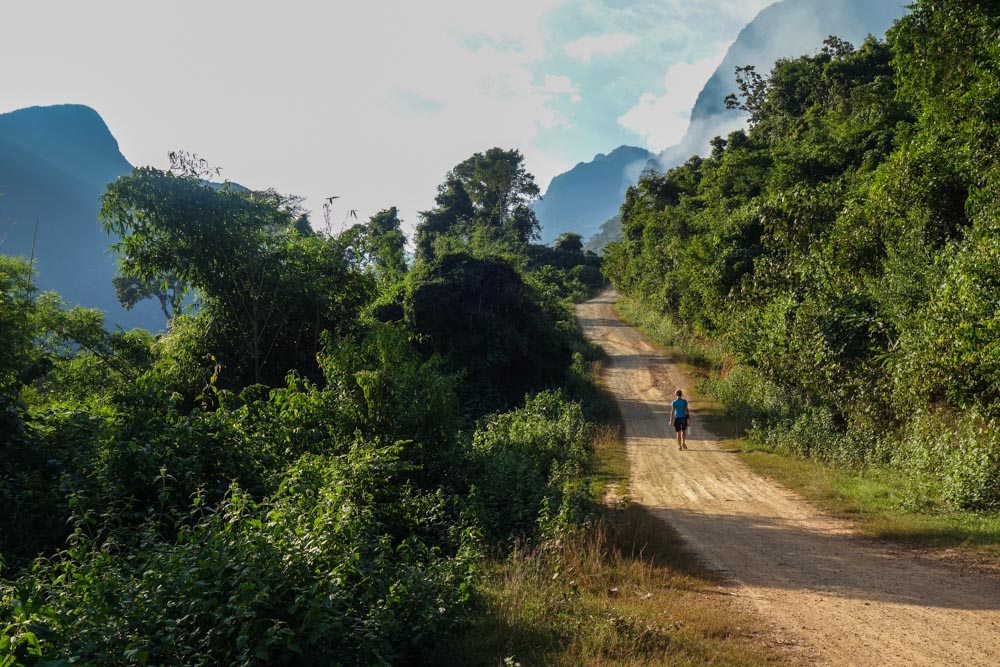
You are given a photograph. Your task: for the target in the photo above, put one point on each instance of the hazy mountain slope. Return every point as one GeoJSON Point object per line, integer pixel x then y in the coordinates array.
{"type": "Point", "coordinates": [54, 165]}
{"type": "Point", "coordinates": [584, 197]}
{"type": "Point", "coordinates": [610, 231]}
{"type": "Point", "coordinates": [786, 29]}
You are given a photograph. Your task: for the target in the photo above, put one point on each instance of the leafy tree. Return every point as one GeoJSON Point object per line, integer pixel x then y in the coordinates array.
{"type": "Point", "coordinates": [485, 203]}
{"type": "Point", "coordinates": [499, 186]}
{"type": "Point", "coordinates": [450, 218]}
{"type": "Point", "coordinates": [382, 244]}
{"type": "Point", "coordinates": [269, 291]}
{"type": "Point", "coordinates": [485, 321]}
{"type": "Point", "coordinates": [169, 292]}
{"type": "Point", "coordinates": [569, 242]}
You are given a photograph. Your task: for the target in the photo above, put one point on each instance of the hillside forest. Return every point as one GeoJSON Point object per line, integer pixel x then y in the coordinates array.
{"type": "Point", "coordinates": [842, 254]}
{"type": "Point", "coordinates": [311, 465]}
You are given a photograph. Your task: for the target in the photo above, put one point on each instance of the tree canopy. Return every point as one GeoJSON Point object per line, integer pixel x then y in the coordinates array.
{"type": "Point", "coordinates": [267, 290]}
{"type": "Point", "coordinates": [485, 202]}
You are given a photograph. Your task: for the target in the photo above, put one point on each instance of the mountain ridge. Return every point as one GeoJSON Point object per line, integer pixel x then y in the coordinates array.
{"type": "Point", "coordinates": [55, 163]}
{"type": "Point", "coordinates": [580, 199]}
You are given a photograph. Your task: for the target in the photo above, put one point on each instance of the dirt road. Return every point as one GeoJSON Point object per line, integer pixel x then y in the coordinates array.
{"type": "Point", "coordinates": [839, 599]}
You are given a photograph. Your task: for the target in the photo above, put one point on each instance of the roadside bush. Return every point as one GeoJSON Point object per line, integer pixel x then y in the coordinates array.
{"type": "Point", "coordinates": [955, 461]}
{"type": "Point", "coordinates": [523, 458]}
{"type": "Point", "coordinates": [813, 432]}
{"type": "Point", "coordinates": [33, 512]}
{"type": "Point", "coordinates": [747, 394]}
{"type": "Point", "coordinates": [308, 577]}
{"type": "Point", "coordinates": [382, 387]}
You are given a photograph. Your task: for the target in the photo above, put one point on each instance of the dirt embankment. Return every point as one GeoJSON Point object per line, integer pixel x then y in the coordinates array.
{"type": "Point", "coordinates": [839, 599]}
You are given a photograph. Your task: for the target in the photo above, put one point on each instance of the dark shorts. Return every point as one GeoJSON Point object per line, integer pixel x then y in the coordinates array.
{"type": "Point", "coordinates": [680, 424]}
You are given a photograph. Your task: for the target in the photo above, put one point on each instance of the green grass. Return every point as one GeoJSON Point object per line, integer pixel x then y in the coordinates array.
{"type": "Point", "coordinates": [874, 499]}
{"type": "Point", "coordinates": [610, 474]}
{"type": "Point", "coordinates": [621, 593]}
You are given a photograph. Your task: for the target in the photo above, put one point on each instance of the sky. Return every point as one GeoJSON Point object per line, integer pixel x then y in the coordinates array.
{"type": "Point", "coordinates": [372, 102]}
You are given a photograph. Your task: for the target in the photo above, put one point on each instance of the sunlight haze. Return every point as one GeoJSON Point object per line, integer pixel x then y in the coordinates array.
{"type": "Point", "coordinates": [373, 103]}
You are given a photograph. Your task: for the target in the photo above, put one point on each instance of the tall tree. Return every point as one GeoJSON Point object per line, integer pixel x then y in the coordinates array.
{"type": "Point", "coordinates": [569, 242]}
{"type": "Point", "coordinates": [268, 291]}
{"type": "Point", "coordinates": [498, 185]}
{"type": "Point", "coordinates": [386, 245]}
{"type": "Point", "coordinates": [485, 200]}
{"type": "Point", "coordinates": [450, 218]}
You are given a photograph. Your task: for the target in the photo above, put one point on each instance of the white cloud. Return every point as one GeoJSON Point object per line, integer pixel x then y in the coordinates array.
{"type": "Point", "coordinates": [373, 102]}
{"type": "Point", "coordinates": [586, 49]}
{"type": "Point", "coordinates": [562, 85]}
{"type": "Point", "coordinates": [662, 118]}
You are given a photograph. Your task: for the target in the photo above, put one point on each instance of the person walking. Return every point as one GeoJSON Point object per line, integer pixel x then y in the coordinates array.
{"type": "Point", "coordinates": [680, 417]}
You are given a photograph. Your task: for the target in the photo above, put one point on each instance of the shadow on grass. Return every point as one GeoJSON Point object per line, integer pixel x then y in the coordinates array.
{"type": "Point", "coordinates": [623, 592]}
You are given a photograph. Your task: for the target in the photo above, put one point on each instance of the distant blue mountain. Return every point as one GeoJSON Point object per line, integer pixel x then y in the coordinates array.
{"type": "Point", "coordinates": [55, 163]}
{"type": "Point", "coordinates": [581, 199]}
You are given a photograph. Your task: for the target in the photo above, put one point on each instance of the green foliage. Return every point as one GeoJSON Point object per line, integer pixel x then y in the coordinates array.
{"type": "Point", "coordinates": [383, 388]}
{"type": "Point", "coordinates": [564, 274]}
{"type": "Point", "coordinates": [482, 318]}
{"type": "Point", "coordinates": [307, 577]}
{"type": "Point", "coordinates": [15, 311]}
{"type": "Point", "coordinates": [49, 351]}
{"type": "Point", "coordinates": [843, 247]}
{"type": "Point", "coordinates": [381, 246]}
{"type": "Point", "coordinates": [268, 290]}
{"type": "Point", "coordinates": [293, 473]}
{"type": "Point", "coordinates": [169, 292]}
{"type": "Point", "coordinates": [482, 205]}
{"type": "Point", "coordinates": [569, 242]}
{"type": "Point", "coordinates": [527, 457]}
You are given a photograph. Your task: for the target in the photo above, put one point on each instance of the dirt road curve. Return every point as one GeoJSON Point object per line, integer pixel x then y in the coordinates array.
{"type": "Point", "coordinates": [838, 599]}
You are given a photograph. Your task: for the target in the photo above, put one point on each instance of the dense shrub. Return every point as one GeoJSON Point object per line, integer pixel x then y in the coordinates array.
{"type": "Point", "coordinates": [524, 457]}
{"type": "Point", "coordinates": [309, 576]}
{"type": "Point", "coordinates": [954, 461]}
{"type": "Point", "coordinates": [482, 318]}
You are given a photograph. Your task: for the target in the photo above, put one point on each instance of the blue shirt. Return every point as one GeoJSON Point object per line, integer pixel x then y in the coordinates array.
{"type": "Point", "coordinates": [680, 407]}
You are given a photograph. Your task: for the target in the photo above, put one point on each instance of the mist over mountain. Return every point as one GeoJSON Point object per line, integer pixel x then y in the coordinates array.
{"type": "Point", "coordinates": [54, 165]}
{"type": "Point", "coordinates": [581, 199]}
{"type": "Point", "coordinates": [786, 29]}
